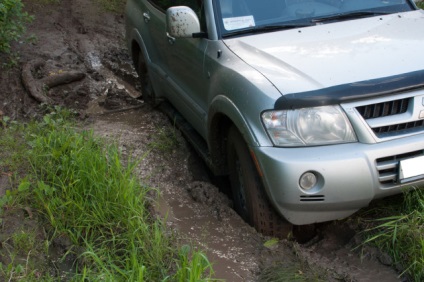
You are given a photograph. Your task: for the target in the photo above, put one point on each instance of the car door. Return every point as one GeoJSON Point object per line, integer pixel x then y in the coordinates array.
{"type": "Point", "coordinates": [153, 34]}
{"type": "Point", "coordinates": [186, 70]}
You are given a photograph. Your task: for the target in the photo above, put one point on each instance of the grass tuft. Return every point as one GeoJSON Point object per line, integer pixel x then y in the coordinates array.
{"type": "Point", "coordinates": [113, 5]}
{"type": "Point", "coordinates": [81, 187]}
{"type": "Point", "coordinates": [401, 235]}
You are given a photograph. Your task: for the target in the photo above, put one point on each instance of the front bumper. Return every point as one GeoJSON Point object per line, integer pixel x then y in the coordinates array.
{"type": "Point", "coordinates": [348, 178]}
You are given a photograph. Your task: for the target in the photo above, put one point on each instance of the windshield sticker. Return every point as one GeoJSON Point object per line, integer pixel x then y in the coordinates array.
{"type": "Point", "coordinates": [238, 22]}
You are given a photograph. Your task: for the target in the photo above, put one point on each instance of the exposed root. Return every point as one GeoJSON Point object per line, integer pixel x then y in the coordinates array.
{"type": "Point", "coordinates": [32, 85]}
{"type": "Point", "coordinates": [38, 88]}
{"type": "Point", "coordinates": [121, 110]}
{"type": "Point", "coordinates": [62, 78]}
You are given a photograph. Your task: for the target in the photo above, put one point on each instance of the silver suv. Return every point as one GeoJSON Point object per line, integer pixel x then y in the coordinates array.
{"type": "Point", "coordinates": [312, 107]}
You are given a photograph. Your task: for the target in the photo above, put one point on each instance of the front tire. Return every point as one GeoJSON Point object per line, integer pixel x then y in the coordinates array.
{"type": "Point", "coordinates": [250, 199]}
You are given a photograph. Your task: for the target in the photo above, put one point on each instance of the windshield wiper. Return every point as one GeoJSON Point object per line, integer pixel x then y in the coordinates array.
{"type": "Point", "coordinates": [347, 16]}
{"type": "Point", "coordinates": [267, 28]}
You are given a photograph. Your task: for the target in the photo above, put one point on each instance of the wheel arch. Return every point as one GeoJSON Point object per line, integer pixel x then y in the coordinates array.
{"type": "Point", "coordinates": [223, 114]}
{"type": "Point", "coordinates": [136, 45]}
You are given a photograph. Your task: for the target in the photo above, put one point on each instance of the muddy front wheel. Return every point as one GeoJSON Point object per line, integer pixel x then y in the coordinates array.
{"type": "Point", "coordinates": [250, 199]}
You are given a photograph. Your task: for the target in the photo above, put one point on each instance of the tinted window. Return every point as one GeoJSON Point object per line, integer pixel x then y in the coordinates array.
{"type": "Point", "coordinates": [165, 4]}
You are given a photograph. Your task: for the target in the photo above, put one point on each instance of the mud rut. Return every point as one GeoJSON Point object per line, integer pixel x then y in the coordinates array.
{"type": "Point", "coordinates": [77, 36]}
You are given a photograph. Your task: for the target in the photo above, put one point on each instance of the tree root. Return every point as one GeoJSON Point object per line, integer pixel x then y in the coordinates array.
{"type": "Point", "coordinates": [38, 88]}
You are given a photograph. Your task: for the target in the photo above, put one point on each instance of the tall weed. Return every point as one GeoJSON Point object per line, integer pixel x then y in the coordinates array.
{"type": "Point", "coordinates": [402, 235]}
{"type": "Point", "coordinates": [192, 270]}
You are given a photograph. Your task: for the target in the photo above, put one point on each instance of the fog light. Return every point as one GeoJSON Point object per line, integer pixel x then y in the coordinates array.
{"type": "Point", "coordinates": [308, 180]}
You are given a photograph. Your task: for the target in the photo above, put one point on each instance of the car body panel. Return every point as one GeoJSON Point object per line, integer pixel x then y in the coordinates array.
{"type": "Point", "coordinates": [185, 59]}
{"type": "Point", "coordinates": [295, 60]}
{"type": "Point", "coordinates": [348, 177]}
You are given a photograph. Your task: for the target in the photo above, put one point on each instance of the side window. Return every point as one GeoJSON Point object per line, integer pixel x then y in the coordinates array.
{"type": "Point", "coordinates": [196, 5]}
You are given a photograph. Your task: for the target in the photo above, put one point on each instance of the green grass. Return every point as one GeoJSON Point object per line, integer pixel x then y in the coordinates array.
{"type": "Point", "coordinates": [291, 271]}
{"type": "Point", "coordinates": [402, 234]}
{"type": "Point", "coordinates": [80, 187]}
{"type": "Point", "coordinates": [112, 5]}
{"type": "Point", "coordinates": [24, 241]}
{"type": "Point", "coordinates": [164, 140]}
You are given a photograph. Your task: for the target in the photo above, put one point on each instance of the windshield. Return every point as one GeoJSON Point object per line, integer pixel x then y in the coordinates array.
{"type": "Point", "coordinates": [242, 16]}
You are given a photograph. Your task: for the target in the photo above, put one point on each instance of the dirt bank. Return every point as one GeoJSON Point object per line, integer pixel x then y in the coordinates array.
{"type": "Point", "coordinates": [78, 36]}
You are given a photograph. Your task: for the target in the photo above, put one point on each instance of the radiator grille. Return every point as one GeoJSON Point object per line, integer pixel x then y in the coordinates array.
{"type": "Point", "coordinates": [384, 109]}
{"type": "Point", "coordinates": [391, 108]}
{"type": "Point", "coordinates": [388, 167]}
{"type": "Point", "coordinates": [401, 128]}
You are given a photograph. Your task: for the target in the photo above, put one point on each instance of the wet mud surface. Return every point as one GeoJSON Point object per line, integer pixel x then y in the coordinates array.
{"type": "Point", "coordinates": [202, 214]}
{"type": "Point", "coordinates": [78, 35]}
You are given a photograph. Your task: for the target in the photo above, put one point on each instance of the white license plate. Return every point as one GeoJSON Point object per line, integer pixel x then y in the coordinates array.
{"type": "Point", "coordinates": [411, 168]}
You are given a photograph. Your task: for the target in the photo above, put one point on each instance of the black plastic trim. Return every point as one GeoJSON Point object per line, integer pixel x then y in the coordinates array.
{"type": "Point", "coordinates": [352, 91]}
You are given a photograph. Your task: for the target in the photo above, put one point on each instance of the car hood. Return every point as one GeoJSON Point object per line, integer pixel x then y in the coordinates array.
{"type": "Point", "coordinates": [327, 55]}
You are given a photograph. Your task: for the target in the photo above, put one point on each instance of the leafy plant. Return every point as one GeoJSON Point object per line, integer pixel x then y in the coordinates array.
{"type": "Point", "coordinates": [13, 22]}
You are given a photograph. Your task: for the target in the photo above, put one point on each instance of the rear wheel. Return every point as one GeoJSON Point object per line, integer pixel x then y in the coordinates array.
{"type": "Point", "coordinates": [250, 199]}
{"type": "Point", "coordinates": [146, 83]}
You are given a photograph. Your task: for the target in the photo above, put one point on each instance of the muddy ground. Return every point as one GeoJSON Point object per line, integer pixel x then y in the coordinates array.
{"type": "Point", "coordinates": [78, 35]}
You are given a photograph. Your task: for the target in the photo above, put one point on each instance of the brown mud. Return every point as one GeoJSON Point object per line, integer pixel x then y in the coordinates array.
{"type": "Point", "coordinates": [79, 36]}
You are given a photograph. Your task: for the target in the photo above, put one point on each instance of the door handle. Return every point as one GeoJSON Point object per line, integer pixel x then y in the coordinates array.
{"type": "Point", "coordinates": [171, 40]}
{"type": "Point", "coordinates": [146, 17]}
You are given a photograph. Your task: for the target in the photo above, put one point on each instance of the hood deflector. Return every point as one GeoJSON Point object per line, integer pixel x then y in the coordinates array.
{"type": "Point", "coordinates": [352, 91]}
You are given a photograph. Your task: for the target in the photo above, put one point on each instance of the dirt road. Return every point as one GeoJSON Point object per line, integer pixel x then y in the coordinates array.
{"type": "Point", "coordinates": [77, 35]}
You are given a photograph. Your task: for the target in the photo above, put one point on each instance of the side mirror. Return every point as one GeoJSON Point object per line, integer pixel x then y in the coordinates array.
{"type": "Point", "coordinates": [182, 22]}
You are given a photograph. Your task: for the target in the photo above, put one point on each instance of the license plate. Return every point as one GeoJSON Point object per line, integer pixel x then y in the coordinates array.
{"type": "Point", "coordinates": [411, 168]}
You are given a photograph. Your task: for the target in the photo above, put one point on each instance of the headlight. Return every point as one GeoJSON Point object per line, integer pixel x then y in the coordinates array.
{"type": "Point", "coordinates": [308, 127]}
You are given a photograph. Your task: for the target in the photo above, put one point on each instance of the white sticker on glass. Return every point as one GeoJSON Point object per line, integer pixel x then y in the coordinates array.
{"type": "Point", "coordinates": [238, 22]}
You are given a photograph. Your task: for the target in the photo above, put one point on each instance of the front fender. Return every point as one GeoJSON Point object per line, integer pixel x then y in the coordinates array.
{"type": "Point", "coordinates": [134, 35]}
{"type": "Point", "coordinates": [222, 105]}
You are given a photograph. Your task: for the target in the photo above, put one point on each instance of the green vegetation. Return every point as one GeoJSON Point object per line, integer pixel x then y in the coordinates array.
{"type": "Point", "coordinates": [12, 23]}
{"type": "Point", "coordinates": [113, 5]}
{"type": "Point", "coordinates": [291, 271]}
{"type": "Point", "coordinates": [401, 234]}
{"type": "Point", "coordinates": [78, 185]}
{"type": "Point", "coordinates": [165, 140]}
